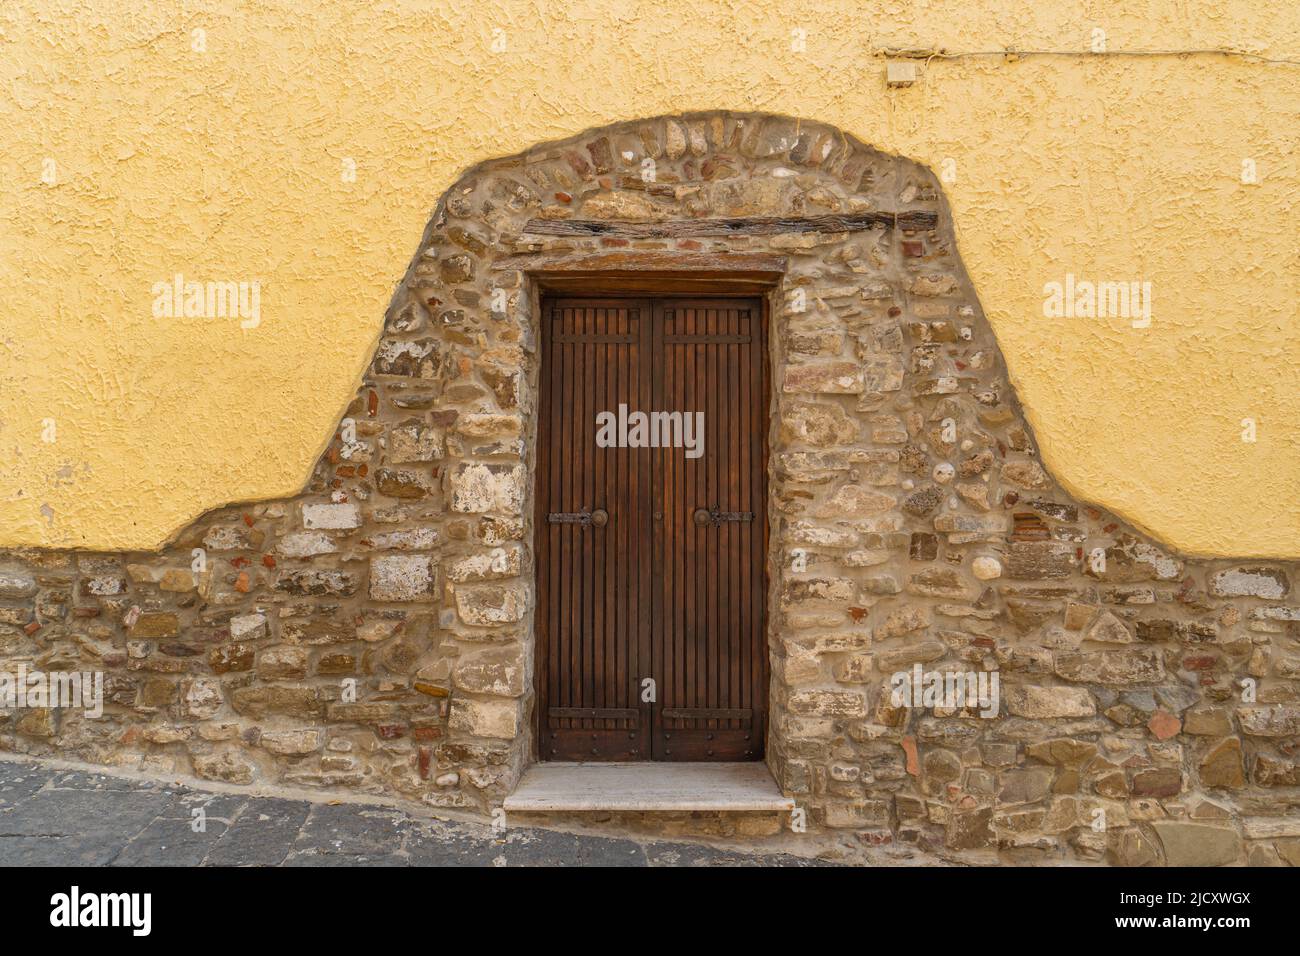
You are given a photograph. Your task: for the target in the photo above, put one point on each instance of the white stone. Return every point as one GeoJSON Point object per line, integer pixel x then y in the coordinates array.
{"type": "Point", "coordinates": [401, 577]}
{"type": "Point", "coordinates": [248, 627]}
{"type": "Point", "coordinates": [305, 544]}
{"type": "Point", "coordinates": [986, 568]}
{"type": "Point", "coordinates": [334, 516]}
{"type": "Point", "coordinates": [16, 584]}
{"type": "Point", "coordinates": [1259, 582]}
{"type": "Point", "coordinates": [498, 563]}
{"type": "Point", "coordinates": [478, 488]}
{"type": "Point", "coordinates": [105, 585]}
{"type": "Point", "coordinates": [404, 539]}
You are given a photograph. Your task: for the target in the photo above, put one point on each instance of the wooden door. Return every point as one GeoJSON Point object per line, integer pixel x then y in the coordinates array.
{"type": "Point", "coordinates": [652, 531]}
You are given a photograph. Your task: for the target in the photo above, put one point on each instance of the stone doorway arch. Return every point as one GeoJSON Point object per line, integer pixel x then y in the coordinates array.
{"type": "Point", "coordinates": [849, 245]}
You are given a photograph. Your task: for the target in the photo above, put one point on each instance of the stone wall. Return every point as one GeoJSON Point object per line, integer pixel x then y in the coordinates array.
{"type": "Point", "coordinates": [373, 633]}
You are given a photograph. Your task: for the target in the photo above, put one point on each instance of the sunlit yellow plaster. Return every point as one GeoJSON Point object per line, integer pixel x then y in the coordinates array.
{"type": "Point", "coordinates": [221, 155]}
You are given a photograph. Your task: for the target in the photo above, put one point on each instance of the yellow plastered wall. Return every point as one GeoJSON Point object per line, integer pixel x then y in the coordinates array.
{"type": "Point", "coordinates": [211, 139]}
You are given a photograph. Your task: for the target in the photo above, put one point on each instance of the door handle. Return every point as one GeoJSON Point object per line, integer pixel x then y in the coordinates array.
{"type": "Point", "coordinates": [715, 517]}
{"type": "Point", "coordinates": [598, 517]}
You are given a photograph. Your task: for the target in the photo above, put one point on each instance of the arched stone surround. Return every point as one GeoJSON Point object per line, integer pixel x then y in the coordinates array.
{"type": "Point", "coordinates": [904, 483]}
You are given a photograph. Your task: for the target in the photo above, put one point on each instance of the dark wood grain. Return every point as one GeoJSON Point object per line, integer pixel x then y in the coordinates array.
{"type": "Point", "coordinates": [914, 221]}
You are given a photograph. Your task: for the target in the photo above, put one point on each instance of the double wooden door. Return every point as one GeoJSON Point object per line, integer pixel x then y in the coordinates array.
{"type": "Point", "coordinates": [651, 529]}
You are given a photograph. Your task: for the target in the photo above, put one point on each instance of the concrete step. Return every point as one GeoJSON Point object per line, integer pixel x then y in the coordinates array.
{"type": "Point", "coordinates": [647, 787]}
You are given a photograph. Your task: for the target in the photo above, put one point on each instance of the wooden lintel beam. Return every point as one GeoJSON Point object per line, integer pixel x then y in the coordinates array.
{"type": "Point", "coordinates": [916, 221]}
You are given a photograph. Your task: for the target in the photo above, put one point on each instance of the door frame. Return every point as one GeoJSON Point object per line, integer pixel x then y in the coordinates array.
{"type": "Point", "coordinates": [656, 275]}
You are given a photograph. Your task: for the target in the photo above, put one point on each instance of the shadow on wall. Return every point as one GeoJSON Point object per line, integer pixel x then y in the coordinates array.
{"type": "Point", "coordinates": [373, 633]}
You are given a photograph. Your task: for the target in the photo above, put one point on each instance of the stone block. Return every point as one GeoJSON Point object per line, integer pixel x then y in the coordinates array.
{"type": "Point", "coordinates": [817, 590]}
{"type": "Point", "coordinates": [820, 703]}
{"type": "Point", "coordinates": [1039, 702]}
{"type": "Point", "coordinates": [260, 701]}
{"type": "Point", "coordinates": [226, 766]}
{"type": "Point", "coordinates": [1138, 665]}
{"type": "Point", "coordinates": [414, 441]}
{"type": "Point", "coordinates": [1197, 844]}
{"type": "Point", "coordinates": [1281, 720]}
{"type": "Point", "coordinates": [488, 605]}
{"type": "Point", "coordinates": [1222, 765]}
{"type": "Point", "coordinates": [15, 583]}
{"type": "Point", "coordinates": [318, 630]}
{"type": "Point", "coordinates": [1037, 560]}
{"type": "Point", "coordinates": [201, 698]}
{"type": "Point", "coordinates": [484, 718]}
{"type": "Point", "coordinates": [317, 582]}
{"type": "Point", "coordinates": [478, 488]}
{"type": "Point", "coordinates": [401, 577]}
{"type": "Point", "coordinates": [343, 516]}
{"type": "Point", "coordinates": [499, 673]}
{"type": "Point", "coordinates": [153, 625]}
{"type": "Point", "coordinates": [1258, 581]}
{"type": "Point", "coordinates": [406, 483]}
{"type": "Point", "coordinates": [248, 627]}
{"type": "Point", "coordinates": [824, 378]}
{"type": "Point", "coordinates": [306, 544]}
{"type": "Point", "coordinates": [283, 662]}
{"type": "Point", "coordinates": [501, 562]}
{"type": "Point", "coordinates": [292, 743]}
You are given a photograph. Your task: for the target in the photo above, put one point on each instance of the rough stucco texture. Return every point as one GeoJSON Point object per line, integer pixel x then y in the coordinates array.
{"type": "Point", "coordinates": [227, 164]}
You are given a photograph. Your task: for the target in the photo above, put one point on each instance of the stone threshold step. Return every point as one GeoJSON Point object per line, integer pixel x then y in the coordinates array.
{"type": "Point", "coordinates": [647, 787]}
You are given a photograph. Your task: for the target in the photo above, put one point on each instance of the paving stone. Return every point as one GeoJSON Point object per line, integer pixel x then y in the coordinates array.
{"type": "Point", "coordinates": [686, 854]}
{"type": "Point", "coordinates": [262, 834]}
{"type": "Point", "coordinates": [170, 841]}
{"type": "Point", "coordinates": [15, 787]}
{"type": "Point", "coordinates": [351, 830]}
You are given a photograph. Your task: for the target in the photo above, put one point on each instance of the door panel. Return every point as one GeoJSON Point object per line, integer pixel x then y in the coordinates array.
{"type": "Point", "coordinates": [592, 620]}
{"type": "Point", "coordinates": [709, 649]}
{"type": "Point", "coordinates": [631, 584]}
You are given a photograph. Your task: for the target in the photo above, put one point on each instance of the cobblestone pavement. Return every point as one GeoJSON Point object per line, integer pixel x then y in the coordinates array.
{"type": "Point", "coordinates": [60, 817]}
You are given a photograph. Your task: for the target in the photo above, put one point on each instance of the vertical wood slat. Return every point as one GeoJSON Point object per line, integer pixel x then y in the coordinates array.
{"type": "Point", "coordinates": [655, 658]}
{"type": "Point", "coordinates": [737, 447]}
{"type": "Point", "coordinates": [757, 644]}
{"type": "Point", "coordinates": [565, 648]}
{"type": "Point", "coordinates": [643, 641]}
{"type": "Point", "coordinates": [544, 537]}
{"type": "Point", "coordinates": [713, 496]}
{"type": "Point", "coordinates": [588, 538]}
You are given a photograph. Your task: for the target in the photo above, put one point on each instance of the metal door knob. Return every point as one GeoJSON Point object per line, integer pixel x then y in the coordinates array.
{"type": "Point", "coordinates": [600, 517]}
{"type": "Point", "coordinates": [703, 516]}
